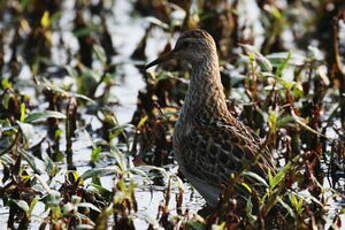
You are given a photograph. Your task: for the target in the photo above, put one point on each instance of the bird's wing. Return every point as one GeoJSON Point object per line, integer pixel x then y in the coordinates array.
{"type": "Point", "coordinates": [215, 151]}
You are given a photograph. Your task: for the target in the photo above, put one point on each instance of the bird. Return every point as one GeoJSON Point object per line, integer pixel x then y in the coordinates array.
{"type": "Point", "coordinates": [208, 141]}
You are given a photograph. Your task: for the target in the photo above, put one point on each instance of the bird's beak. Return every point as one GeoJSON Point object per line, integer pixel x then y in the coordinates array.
{"type": "Point", "coordinates": [163, 58]}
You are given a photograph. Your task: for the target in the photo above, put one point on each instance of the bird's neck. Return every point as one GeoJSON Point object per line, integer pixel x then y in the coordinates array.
{"type": "Point", "coordinates": [205, 96]}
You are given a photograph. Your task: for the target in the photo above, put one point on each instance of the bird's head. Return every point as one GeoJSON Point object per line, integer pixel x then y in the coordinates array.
{"type": "Point", "coordinates": [193, 46]}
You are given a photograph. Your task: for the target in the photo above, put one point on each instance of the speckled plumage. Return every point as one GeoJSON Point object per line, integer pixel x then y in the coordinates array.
{"type": "Point", "coordinates": [209, 142]}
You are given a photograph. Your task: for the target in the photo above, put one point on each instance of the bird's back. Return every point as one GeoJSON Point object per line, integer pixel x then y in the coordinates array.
{"type": "Point", "coordinates": [208, 153]}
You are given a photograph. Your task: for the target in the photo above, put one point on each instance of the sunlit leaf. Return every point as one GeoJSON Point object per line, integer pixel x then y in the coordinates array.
{"type": "Point", "coordinates": [5, 83]}
{"type": "Point", "coordinates": [247, 187]}
{"type": "Point", "coordinates": [95, 154]}
{"type": "Point", "coordinates": [219, 227]}
{"type": "Point", "coordinates": [90, 206]}
{"type": "Point", "coordinates": [45, 20]}
{"type": "Point", "coordinates": [142, 121]}
{"type": "Point", "coordinates": [22, 112]}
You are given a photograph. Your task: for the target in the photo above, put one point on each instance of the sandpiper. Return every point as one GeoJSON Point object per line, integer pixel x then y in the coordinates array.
{"type": "Point", "coordinates": [209, 142]}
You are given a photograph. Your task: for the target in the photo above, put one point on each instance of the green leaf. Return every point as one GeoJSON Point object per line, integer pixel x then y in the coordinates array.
{"type": "Point", "coordinates": [87, 30]}
{"type": "Point", "coordinates": [45, 20]}
{"type": "Point", "coordinates": [33, 203]}
{"type": "Point", "coordinates": [97, 172]}
{"type": "Point", "coordinates": [279, 176]}
{"type": "Point", "coordinates": [100, 188]}
{"type": "Point", "coordinates": [256, 176]}
{"type": "Point", "coordinates": [95, 154]}
{"type": "Point", "coordinates": [247, 187]}
{"type": "Point", "coordinates": [284, 121]}
{"type": "Point", "coordinates": [142, 121]}
{"type": "Point", "coordinates": [44, 115]}
{"type": "Point", "coordinates": [219, 226]}
{"type": "Point", "coordinates": [22, 112]}
{"type": "Point", "coordinates": [6, 84]}
{"type": "Point", "coordinates": [283, 65]}
{"type": "Point", "coordinates": [100, 53]}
